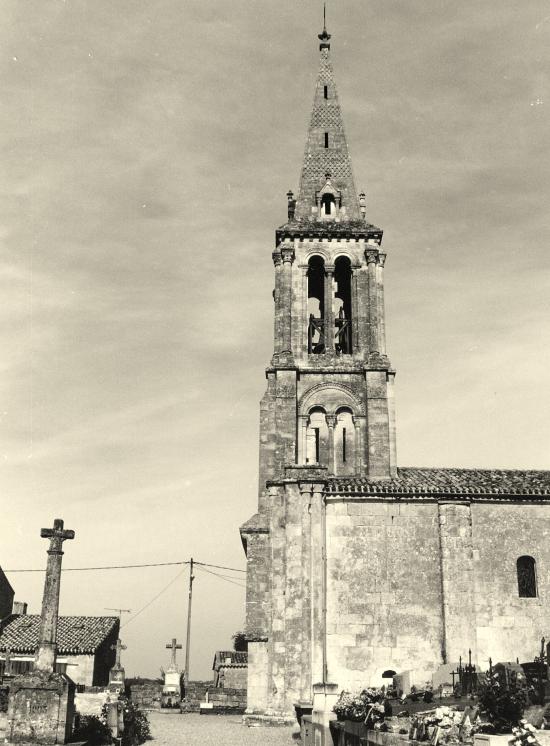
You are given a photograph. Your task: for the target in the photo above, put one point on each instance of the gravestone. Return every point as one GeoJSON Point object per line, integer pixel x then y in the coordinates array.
{"type": "Point", "coordinates": [41, 703]}
{"type": "Point", "coordinates": [117, 673]}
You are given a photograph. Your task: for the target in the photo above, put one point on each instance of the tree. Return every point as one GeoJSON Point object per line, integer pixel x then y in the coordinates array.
{"type": "Point", "coordinates": [240, 643]}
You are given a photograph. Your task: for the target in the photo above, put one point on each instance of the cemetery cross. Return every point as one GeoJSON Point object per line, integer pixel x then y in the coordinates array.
{"type": "Point", "coordinates": [119, 647]}
{"type": "Point", "coordinates": [47, 643]}
{"type": "Point", "coordinates": [174, 645]}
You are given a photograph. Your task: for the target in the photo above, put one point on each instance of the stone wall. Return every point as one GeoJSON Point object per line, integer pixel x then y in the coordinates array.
{"type": "Point", "coordinates": [90, 703]}
{"type": "Point", "coordinates": [384, 599]}
{"type": "Point", "coordinates": [234, 677]}
{"type": "Point", "coordinates": [507, 625]}
{"type": "Point", "coordinates": [80, 668]}
{"type": "Point", "coordinates": [147, 696]}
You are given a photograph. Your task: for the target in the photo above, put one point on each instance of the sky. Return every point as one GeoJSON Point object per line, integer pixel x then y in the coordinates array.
{"type": "Point", "coordinates": [147, 148]}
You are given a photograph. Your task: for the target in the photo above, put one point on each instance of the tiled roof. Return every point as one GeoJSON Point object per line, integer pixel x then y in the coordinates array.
{"type": "Point", "coordinates": [451, 482]}
{"type": "Point", "coordinates": [239, 659]}
{"type": "Point", "coordinates": [75, 634]}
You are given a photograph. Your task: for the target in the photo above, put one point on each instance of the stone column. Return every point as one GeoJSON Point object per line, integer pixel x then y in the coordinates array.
{"type": "Point", "coordinates": [304, 320]}
{"type": "Point", "coordinates": [302, 438]}
{"type": "Point", "coordinates": [278, 262]}
{"type": "Point", "coordinates": [47, 646]}
{"type": "Point", "coordinates": [318, 585]}
{"type": "Point", "coordinates": [381, 312]}
{"type": "Point", "coordinates": [372, 256]}
{"type": "Point", "coordinates": [354, 310]}
{"type": "Point", "coordinates": [331, 424]}
{"type": "Point", "coordinates": [329, 308]}
{"type": "Point", "coordinates": [287, 254]}
{"type": "Point", "coordinates": [358, 450]}
{"type": "Point", "coordinates": [306, 495]}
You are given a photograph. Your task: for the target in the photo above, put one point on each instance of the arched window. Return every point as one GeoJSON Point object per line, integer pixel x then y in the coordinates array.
{"type": "Point", "coordinates": [328, 205]}
{"type": "Point", "coordinates": [527, 577]}
{"type": "Point", "coordinates": [316, 305]}
{"type": "Point", "coordinates": [317, 437]}
{"type": "Point", "coordinates": [344, 443]}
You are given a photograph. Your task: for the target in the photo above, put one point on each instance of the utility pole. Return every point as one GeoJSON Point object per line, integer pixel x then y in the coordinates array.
{"type": "Point", "coordinates": [120, 612]}
{"type": "Point", "coordinates": [188, 640]}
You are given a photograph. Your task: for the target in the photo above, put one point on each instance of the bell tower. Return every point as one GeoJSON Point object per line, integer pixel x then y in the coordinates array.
{"type": "Point", "coordinates": [327, 416]}
{"type": "Point", "coordinates": [329, 401]}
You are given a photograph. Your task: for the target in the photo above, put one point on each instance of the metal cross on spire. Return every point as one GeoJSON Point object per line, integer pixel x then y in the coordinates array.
{"type": "Point", "coordinates": [324, 36]}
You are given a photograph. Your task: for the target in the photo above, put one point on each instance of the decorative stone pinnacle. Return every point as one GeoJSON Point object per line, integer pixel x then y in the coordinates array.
{"type": "Point", "coordinates": [324, 36]}
{"type": "Point", "coordinates": [372, 256]}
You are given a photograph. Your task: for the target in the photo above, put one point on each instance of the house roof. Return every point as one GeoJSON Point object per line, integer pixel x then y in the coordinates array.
{"type": "Point", "coordinates": [5, 582]}
{"type": "Point", "coordinates": [238, 659]}
{"type": "Point", "coordinates": [75, 634]}
{"type": "Point", "coordinates": [490, 483]}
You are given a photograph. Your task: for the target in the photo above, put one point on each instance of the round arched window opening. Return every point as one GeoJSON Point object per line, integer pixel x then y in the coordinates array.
{"type": "Point", "coordinates": [328, 205]}
{"type": "Point", "coordinates": [526, 568]}
{"type": "Point", "coordinates": [316, 305]}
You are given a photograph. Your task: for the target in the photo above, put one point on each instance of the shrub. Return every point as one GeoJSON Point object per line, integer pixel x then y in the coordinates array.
{"type": "Point", "coordinates": [502, 702]}
{"type": "Point", "coordinates": [93, 729]}
{"type": "Point", "coordinates": [136, 724]}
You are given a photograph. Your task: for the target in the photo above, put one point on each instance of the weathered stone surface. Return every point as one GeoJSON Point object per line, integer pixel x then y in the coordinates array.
{"type": "Point", "coordinates": [41, 708]}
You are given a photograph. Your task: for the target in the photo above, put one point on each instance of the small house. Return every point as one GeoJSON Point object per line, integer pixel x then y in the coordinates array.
{"type": "Point", "coordinates": [85, 646]}
{"type": "Point", "coordinates": [230, 669]}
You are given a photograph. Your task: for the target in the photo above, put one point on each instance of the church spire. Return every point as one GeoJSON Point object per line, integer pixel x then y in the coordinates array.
{"type": "Point", "coordinates": [327, 189]}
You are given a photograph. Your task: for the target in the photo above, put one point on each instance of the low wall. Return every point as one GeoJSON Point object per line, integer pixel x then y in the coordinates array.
{"type": "Point", "coordinates": [225, 700]}
{"type": "Point", "coordinates": [90, 703]}
{"type": "Point", "coordinates": [194, 694]}
{"type": "Point", "coordinates": [146, 696]}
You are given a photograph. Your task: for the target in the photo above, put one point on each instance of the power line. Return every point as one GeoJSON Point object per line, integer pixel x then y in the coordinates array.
{"type": "Point", "coordinates": [222, 577]}
{"type": "Point", "coordinates": [131, 619]}
{"type": "Point", "coordinates": [220, 567]}
{"type": "Point", "coordinates": [127, 567]}
{"type": "Point", "coordinates": [108, 567]}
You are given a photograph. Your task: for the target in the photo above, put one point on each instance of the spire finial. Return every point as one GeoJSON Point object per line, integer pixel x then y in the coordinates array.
{"type": "Point", "coordinates": [324, 36]}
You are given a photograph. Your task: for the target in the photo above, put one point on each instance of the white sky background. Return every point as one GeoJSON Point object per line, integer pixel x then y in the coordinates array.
{"type": "Point", "coordinates": [147, 148]}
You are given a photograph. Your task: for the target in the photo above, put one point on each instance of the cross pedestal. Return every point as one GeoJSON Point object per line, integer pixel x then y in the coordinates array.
{"type": "Point", "coordinates": [41, 703]}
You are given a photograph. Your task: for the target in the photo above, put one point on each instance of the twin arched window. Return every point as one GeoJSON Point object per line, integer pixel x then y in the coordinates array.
{"type": "Point", "coordinates": [527, 577]}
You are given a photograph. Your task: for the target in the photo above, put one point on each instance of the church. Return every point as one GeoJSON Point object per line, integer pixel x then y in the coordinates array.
{"type": "Point", "coordinates": [357, 567]}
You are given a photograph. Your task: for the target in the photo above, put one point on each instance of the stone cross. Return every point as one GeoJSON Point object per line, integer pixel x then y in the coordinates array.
{"type": "Point", "coordinates": [46, 652]}
{"type": "Point", "coordinates": [174, 645]}
{"type": "Point", "coordinates": [119, 647]}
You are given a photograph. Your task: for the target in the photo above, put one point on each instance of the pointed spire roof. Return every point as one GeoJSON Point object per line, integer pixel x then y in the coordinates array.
{"type": "Point", "coordinates": [326, 155]}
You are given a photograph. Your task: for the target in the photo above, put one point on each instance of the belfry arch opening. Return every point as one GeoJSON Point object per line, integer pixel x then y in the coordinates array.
{"type": "Point", "coordinates": [343, 307]}
{"type": "Point", "coordinates": [344, 442]}
{"type": "Point", "coordinates": [316, 305]}
{"type": "Point", "coordinates": [328, 205]}
{"type": "Point", "coordinates": [316, 437]}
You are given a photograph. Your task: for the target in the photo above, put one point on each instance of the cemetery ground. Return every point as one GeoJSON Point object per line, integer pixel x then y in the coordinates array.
{"type": "Point", "coordinates": [212, 730]}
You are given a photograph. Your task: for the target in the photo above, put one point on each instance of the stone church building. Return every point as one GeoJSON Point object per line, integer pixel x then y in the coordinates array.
{"type": "Point", "coordinates": [357, 566]}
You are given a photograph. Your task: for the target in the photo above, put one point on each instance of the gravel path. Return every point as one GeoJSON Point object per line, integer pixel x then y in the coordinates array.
{"type": "Point", "coordinates": [213, 730]}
